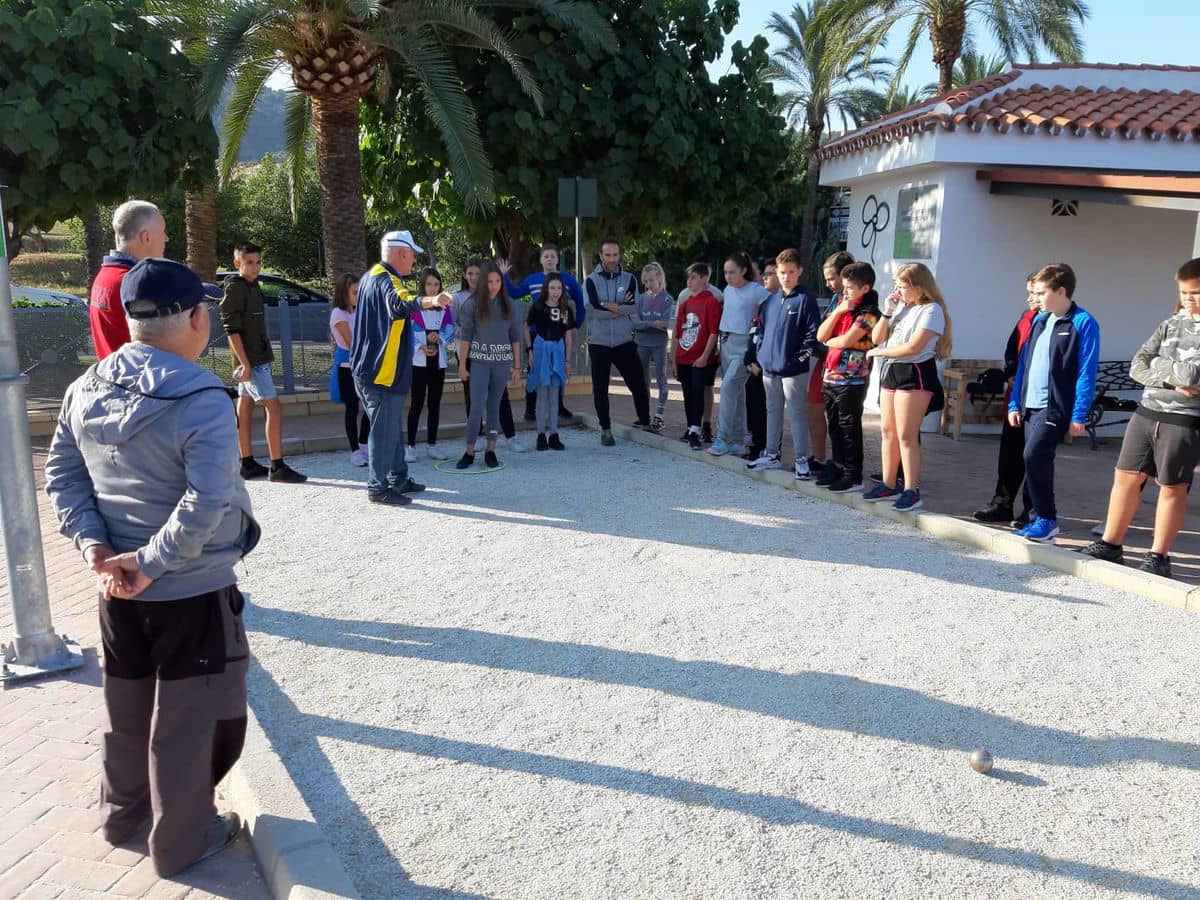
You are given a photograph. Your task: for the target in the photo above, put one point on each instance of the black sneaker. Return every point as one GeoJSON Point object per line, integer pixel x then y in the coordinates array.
{"type": "Point", "coordinates": [541, 442]}
{"type": "Point", "coordinates": [817, 466]}
{"type": "Point", "coordinates": [222, 831]}
{"type": "Point", "coordinates": [656, 425]}
{"type": "Point", "coordinates": [1106, 551]}
{"type": "Point", "coordinates": [606, 438]}
{"type": "Point", "coordinates": [831, 473]}
{"type": "Point", "coordinates": [465, 461]}
{"type": "Point", "coordinates": [693, 440]}
{"type": "Point", "coordinates": [254, 469]}
{"type": "Point", "coordinates": [706, 434]}
{"type": "Point", "coordinates": [993, 512]}
{"type": "Point", "coordinates": [556, 442]}
{"type": "Point", "coordinates": [683, 438]}
{"type": "Point", "coordinates": [752, 453]}
{"type": "Point", "coordinates": [1157, 564]}
{"type": "Point", "coordinates": [390, 498]}
{"type": "Point", "coordinates": [845, 485]}
{"type": "Point", "coordinates": [408, 486]}
{"type": "Point", "coordinates": [285, 474]}
{"type": "Point", "coordinates": [1023, 520]}
{"type": "Point", "coordinates": [490, 460]}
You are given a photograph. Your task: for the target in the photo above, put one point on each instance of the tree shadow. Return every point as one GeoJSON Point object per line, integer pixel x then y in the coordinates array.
{"type": "Point", "coordinates": [309, 765]}
{"type": "Point", "coordinates": [820, 699]}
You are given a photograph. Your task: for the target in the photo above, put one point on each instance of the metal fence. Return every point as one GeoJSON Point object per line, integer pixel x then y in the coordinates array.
{"type": "Point", "coordinates": [54, 347]}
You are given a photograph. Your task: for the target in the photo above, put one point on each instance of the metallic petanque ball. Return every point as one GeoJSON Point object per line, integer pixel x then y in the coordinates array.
{"type": "Point", "coordinates": [981, 761]}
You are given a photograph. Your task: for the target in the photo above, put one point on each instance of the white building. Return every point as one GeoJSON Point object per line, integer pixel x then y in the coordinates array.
{"type": "Point", "coordinates": [1097, 166]}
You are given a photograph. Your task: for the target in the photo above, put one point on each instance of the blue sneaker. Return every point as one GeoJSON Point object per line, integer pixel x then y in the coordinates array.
{"type": "Point", "coordinates": [881, 492]}
{"type": "Point", "coordinates": [720, 448]}
{"type": "Point", "coordinates": [1042, 531]}
{"type": "Point", "coordinates": [909, 500]}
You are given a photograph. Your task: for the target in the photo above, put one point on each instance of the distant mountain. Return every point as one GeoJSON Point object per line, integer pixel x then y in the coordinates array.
{"type": "Point", "coordinates": [265, 134]}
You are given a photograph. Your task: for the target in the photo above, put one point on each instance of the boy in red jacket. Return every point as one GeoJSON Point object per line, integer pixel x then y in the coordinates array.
{"type": "Point", "coordinates": [697, 324]}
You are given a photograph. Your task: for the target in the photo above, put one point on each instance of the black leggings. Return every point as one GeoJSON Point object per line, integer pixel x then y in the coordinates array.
{"type": "Point", "coordinates": [428, 380]}
{"type": "Point", "coordinates": [357, 429]}
{"type": "Point", "coordinates": [693, 379]}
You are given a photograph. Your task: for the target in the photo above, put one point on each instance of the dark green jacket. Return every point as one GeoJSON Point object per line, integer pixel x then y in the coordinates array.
{"type": "Point", "coordinates": [242, 313]}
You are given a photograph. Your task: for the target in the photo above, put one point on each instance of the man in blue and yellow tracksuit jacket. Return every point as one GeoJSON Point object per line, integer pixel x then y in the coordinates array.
{"type": "Point", "coordinates": [381, 362]}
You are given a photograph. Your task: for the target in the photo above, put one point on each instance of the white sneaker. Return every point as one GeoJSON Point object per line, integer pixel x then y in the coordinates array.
{"type": "Point", "coordinates": [410, 454]}
{"type": "Point", "coordinates": [359, 457]}
{"type": "Point", "coordinates": [435, 452]}
{"type": "Point", "coordinates": [802, 470]}
{"type": "Point", "coordinates": [515, 445]}
{"type": "Point", "coordinates": [765, 462]}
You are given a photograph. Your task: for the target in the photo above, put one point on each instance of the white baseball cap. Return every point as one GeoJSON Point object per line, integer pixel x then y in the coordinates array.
{"type": "Point", "coordinates": [400, 239]}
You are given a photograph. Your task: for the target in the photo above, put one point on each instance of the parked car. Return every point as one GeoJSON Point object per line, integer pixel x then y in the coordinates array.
{"type": "Point", "coordinates": [276, 288]}
{"type": "Point", "coordinates": [44, 297]}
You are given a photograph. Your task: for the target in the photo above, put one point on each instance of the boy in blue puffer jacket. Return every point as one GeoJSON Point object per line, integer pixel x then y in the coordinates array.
{"type": "Point", "coordinates": [783, 346]}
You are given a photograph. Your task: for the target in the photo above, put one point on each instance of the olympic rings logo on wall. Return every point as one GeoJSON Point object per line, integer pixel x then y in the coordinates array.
{"type": "Point", "coordinates": [876, 217]}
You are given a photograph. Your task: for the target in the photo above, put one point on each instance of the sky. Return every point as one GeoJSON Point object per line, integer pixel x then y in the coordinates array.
{"type": "Point", "coordinates": [1160, 31]}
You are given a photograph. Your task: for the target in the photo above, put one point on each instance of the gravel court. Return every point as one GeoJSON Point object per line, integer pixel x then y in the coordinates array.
{"type": "Point", "coordinates": [612, 672]}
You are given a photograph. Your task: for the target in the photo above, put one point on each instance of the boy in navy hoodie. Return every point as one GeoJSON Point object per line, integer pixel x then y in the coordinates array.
{"type": "Point", "coordinates": [1053, 389]}
{"type": "Point", "coordinates": [783, 347]}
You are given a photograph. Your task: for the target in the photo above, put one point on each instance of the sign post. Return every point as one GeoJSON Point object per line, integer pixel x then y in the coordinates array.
{"type": "Point", "coordinates": [35, 650]}
{"type": "Point", "coordinates": [577, 199]}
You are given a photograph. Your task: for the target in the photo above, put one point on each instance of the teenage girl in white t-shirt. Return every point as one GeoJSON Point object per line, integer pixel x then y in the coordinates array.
{"type": "Point", "coordinates": [432, 329]}
{"type": "Point", "coordinates": [912, 334]}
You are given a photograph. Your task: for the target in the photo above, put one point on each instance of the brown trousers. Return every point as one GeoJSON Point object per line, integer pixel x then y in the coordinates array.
{"type": "Point", "coordinates": [175, 691]}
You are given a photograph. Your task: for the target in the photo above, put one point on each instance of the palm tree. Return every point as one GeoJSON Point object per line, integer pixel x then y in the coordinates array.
{"type": "Point", "coordinates": [336, 53]}
{"type": "Point", "coordinates": [1020, 27]}
{"type": "Point", "coordinates": [972, 67]}
{"type": "Point", "coordinates": [823, 69]}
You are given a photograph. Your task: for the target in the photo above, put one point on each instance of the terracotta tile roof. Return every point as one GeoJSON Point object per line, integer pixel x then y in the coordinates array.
{"type": "Point", "coordinates": [1078, 111]}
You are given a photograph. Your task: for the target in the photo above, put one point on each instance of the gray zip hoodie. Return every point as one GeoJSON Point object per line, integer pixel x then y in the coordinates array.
{"type": "Point", "coordinates": [145, 458]}
{"type": "Point", "coordinates": [605, 329]}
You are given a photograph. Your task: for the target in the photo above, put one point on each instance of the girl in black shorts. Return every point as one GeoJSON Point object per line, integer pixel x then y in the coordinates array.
{"type": "Point", "coordinates": [912, 334]}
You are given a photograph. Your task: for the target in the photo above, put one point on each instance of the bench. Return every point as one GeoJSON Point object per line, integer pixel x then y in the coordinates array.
{"type": "Point", "coordinates": [964, 407]}
{"type": "Point", "coordinates": [1111, 377]}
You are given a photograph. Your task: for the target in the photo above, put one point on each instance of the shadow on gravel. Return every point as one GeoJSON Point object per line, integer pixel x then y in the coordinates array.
{"type": "Point", "coordinates": [309, 765]}
{"type": "Point", "coordinates": [820, 699]}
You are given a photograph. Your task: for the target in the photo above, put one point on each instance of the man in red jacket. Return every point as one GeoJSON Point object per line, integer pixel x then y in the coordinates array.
{"type": "Point", "coordinates": [1010, 466]}
{"type": "Point", "coordinates": [139, 231]}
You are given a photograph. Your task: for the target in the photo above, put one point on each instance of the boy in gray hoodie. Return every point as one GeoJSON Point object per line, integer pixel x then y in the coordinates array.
{"type": "Point", "coordinates": [143, 476]}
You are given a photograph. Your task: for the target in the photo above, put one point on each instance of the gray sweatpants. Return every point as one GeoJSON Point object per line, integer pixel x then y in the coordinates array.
{"type": "Point", "coordinates": [175, 692]}
{"type": "Point", "coordinates": [659, 356]}
{"type": "Point", "coordinates": [731, 414]}
{"type": "Point", "coordinates": [487, 384]}
{"type": "Point", "coordinates": [794, 392]}
{"type": "Point", "coordinates": [547, 408]}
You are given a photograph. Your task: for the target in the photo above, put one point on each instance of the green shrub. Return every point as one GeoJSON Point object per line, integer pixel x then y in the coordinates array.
{"type": "Point", "coordinates": [62, 271]}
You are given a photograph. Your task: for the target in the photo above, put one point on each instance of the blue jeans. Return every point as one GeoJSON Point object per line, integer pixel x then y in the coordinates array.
{"type": "Point", "coordinates": [386, 467]}
{"type": "Point", "coordinates": [1044, 431]}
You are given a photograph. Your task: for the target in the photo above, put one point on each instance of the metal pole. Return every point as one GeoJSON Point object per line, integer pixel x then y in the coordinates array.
{"type": "Point", "coordinates": [35, 649]}
{"type": "Point", "coordinates": [578, 239]}
{"type": "Point", "coordinates": [285, 345]}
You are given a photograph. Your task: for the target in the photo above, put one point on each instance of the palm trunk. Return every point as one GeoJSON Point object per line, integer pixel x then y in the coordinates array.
{"type": "Point", "coordinates": [945, 76]}
{"type": "Point", "coordinates": [946, 34]}
{"type": "Point", "coordinates": [808, 222]}
{"type": "Point", "coordinates": [93, 242]}
{"type": "Point", "coordinates": [339, 163]}
{"type": "Point", "coordinates": [200, 216]}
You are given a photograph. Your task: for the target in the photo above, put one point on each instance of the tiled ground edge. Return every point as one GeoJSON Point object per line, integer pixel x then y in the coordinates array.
{"type": "Point", "coordinates": [296, 860]}
{"type": "Point", "coordinates": [1161, 590]}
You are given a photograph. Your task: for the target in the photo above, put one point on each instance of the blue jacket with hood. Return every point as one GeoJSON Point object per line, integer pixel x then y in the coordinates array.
{"type": "Point", "coordinates": [1074, 359]}
{"type": "Point", "coordinates": [145, 459]}
{"type": "Point", "coordinates": [787, 333]}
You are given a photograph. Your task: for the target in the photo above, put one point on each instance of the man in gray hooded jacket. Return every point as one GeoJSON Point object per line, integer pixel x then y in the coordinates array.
{"type": "Point", "coordinates": [143, 476]}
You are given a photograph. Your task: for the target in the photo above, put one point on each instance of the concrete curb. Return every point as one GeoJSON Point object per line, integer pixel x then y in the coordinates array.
{"type": "Point", "coordinates": [973, 534]}
{"type": "Point", "coordinates": [295, 859]}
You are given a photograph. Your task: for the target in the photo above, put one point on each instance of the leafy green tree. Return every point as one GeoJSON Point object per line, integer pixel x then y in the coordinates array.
{"type": "Point", "coordinates": [337, 53]}
{"type": "Point", "coordinates": [1021, 28]}
{"type": "Point", "coordinates": [676, 154]}
{"type": "Point", "coordinates": [824, 67]}
{"type": "Point", "coordinates": [104, 104]}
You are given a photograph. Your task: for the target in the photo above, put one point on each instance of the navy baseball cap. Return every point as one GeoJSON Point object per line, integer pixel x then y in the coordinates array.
{"type": "Point", "coordinates": [162, 287]}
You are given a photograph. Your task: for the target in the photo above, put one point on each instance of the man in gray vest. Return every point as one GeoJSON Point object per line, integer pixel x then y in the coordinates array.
{"type": "Point", "coordinates": [612, 295]}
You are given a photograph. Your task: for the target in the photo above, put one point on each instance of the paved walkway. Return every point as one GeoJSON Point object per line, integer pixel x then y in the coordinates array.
{"type": "Point", "coordinates": [50, 843]}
